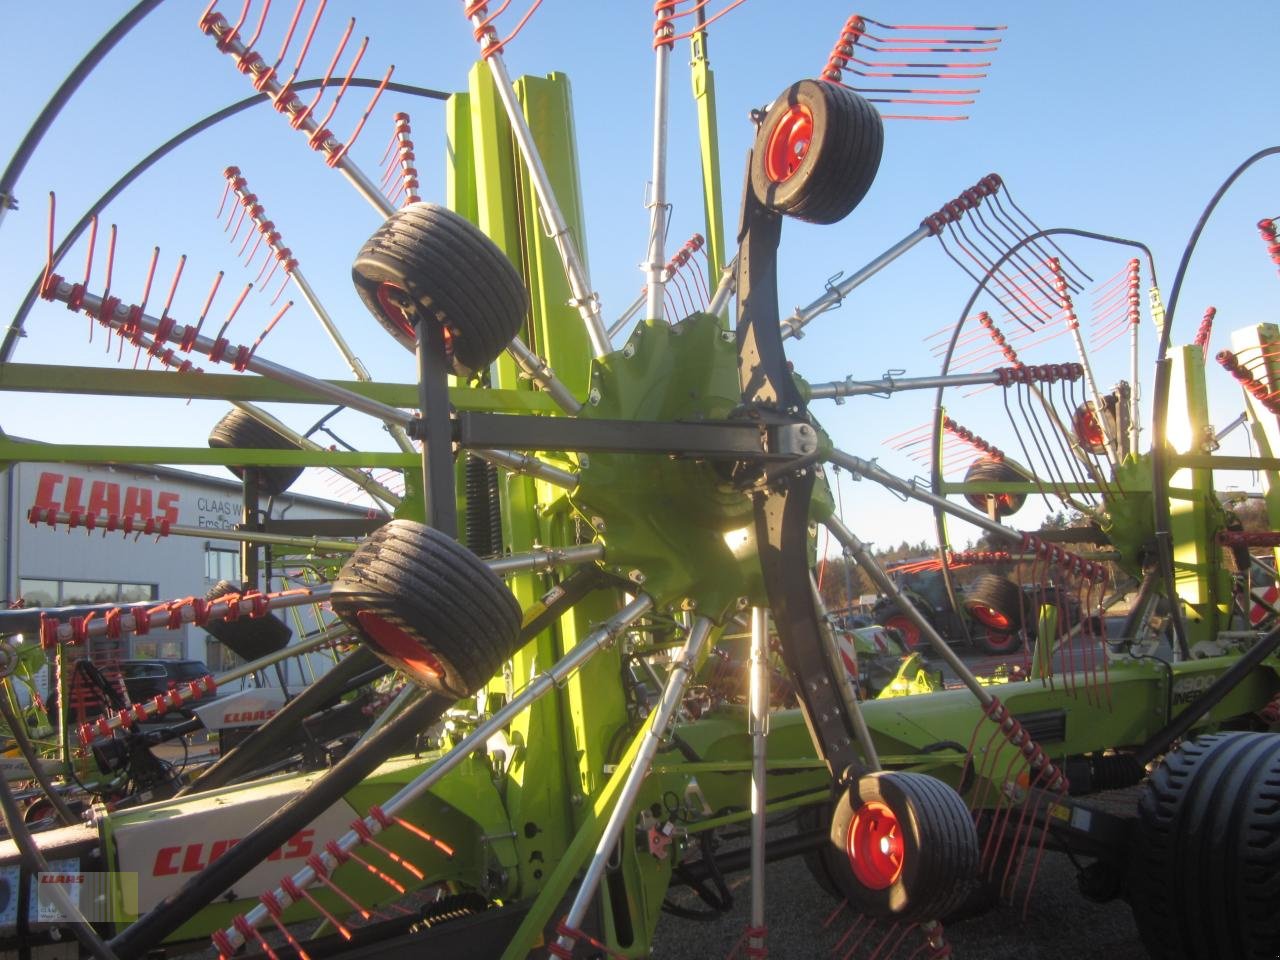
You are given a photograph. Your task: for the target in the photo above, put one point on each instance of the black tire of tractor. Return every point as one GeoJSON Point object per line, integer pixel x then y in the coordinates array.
{"type": "Point", "coordinates": [839, 160]}
{"type": "Point", "coordinates": [939, 846]}
{"type": "Point", "coordinates": [247, 637]}
{"type": "Point", "coordinates": [997, 644]}
{"type": "Point", "coordinates": [239, 431]}
{"type": "Point", "coordinates": [429, 607]}
{"type": "Point", "coordinates": [988, 470]}
{"type": "Point", "coordinates": [433, 263]}
{"type": "Point", "coordinates": [1204, 877]}
{"type": "Point", "coordinates": [997, 603]}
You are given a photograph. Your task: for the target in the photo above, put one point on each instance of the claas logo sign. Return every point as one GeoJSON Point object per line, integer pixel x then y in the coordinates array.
{"type": "Point", "coordinates": [104, 498]}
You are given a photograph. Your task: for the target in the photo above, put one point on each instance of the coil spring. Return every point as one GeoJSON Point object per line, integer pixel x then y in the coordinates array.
{"type": "Point", "coordinates": [1115, 772]}
{"type": "Point", "coordinates": [484, 513]}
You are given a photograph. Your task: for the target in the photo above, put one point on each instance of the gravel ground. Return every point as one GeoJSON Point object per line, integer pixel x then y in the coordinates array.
{"type": "Point", "coordinates": [1059, 924]}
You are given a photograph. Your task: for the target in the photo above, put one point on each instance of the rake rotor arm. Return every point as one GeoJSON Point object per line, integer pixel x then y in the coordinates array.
{"type": "Point", "coordinates": [858, 550]}
{"type": "Point", "coordinates": [794, 324]}
{"type": "Point", "coordinates": [849, 387]}
{"type": "Point", "coordinates": [15, 330]}
{"type": "Point", "coordinates": [912, 489]}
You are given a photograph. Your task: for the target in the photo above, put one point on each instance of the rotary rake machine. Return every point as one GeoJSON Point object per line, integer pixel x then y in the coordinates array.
{"type": "Point", "coordinates": [619, 514]}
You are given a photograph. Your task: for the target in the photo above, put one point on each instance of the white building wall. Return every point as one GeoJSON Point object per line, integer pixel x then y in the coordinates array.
{"type": "Point", "coordinates": [175, 565]}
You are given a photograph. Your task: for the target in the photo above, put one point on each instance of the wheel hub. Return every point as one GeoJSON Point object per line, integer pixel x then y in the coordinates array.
{"type": "Point", "coordinates": [789, 144]}
{"type": "Point", "coordinates": [874, 846]}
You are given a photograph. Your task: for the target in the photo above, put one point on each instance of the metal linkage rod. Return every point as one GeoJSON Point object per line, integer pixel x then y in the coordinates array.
{"type": "Point", "coordinates": [361, 479]}
{"type": "Point", "coordinates": [546, 558]}
{"type": "Point", "coordinates": [584, 298]}
{"type": "Point", "coordinates": [849, 387]}
{"type": "Point", "coordinates": [655, 259]}
{"type": "Point", "coordinates": [537, 370]}
{"type": "Point", "coordinates": [682, 669]}
{"type": "Point", "coordinates": [858, 550]}
{"type": "Point", "coordinates": [910, 488]}
{"type": "Point", "coordinates": [538, 687]}
{"type": "Point", "coordinates": [522, 463]}
{"type": "Point", "coordinates": [724, 289]}
{"type": "Point", "coordinates": [794, 324]}
{"type": "Point", "coordinates": [759, 718]}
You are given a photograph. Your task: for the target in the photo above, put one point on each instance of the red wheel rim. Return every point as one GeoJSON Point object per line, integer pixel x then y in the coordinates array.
{"type": "Point", "coordinates": [788, 144]}
{"type": "Point", "coordinates": [392, 309]}
{"type": "Point", "coordinates": [874, 846]}
{"type": "Point", "coordinates": [408, 653]}
{"type": "Point", "coordinates": [906, 627]}
{"type": "Point", "coordinates": [989, 616]}
{"type": "Point", "coordinates": [1087, 428]}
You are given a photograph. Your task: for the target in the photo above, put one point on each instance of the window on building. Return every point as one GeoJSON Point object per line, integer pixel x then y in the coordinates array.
{"type": "Point", "coordinates": [221, 564]}
{"type": "Point", "coordinates": [89, 591]}
{"type": "Point", "coordinates": [151, 649]}
{"type": "Point", "coordinates": [66, 593]}
{"type": "Point", "coordinates": [39, 593]}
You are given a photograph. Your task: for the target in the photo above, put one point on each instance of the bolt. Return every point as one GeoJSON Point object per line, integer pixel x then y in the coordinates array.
{"type": "Point", "coordinates": [635, 576]}
{"type": "Point", "coordinates": [593, 397]}
{"type": "Point", "coordinates": [629, 350]}
{"type": "Point", "coordinates": [598, 524]}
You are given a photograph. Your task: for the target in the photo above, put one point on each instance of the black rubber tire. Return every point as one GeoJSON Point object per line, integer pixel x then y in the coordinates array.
{"type": "Point", "coordinates": [434, 263]}
{"type": "Point", "coordinates": [247, 637]}
{"type": "Point", "coordinates": [998, 644]}
{"type": "Point", "coordinates": [833, 174]}
{"type": "Point", "coordinates": [239, 431]}
{"type": "Point", "coordinates": [939, 846]}
{"type": "Point", "coordinates": [429, 607]}
{"type": "Point", "coordinates": [992, 596]}
{"type": "Point", "coordinates": [1204, 877]}
{"type": "Point", "coordinates": [987, 470]}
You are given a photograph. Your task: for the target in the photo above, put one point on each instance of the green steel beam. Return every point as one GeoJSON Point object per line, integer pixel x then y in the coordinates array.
{"type": "Point", "coordinates": [704, 98]}
{"type": "Point", "coordinates": [104, 381]}
{"type": "Point", "coordinates": [114, 453]}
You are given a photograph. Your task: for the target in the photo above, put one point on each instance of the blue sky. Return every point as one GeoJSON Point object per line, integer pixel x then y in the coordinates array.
{"type": "Point", "coordinates": [1120, 118]}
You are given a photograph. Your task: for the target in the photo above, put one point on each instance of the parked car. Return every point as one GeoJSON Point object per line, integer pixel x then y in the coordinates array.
{"type": "Point", "coordinates": [147, 679]}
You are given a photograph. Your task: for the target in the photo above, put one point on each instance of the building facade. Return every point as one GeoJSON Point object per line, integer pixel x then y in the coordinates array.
{"type": "Point", "coordinates": [55, 566]}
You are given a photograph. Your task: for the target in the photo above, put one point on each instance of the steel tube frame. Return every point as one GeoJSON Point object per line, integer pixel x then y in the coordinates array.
{"type": "Point", "coordinates": [759, 720]}
{"type": "Point", "coordinates": [655, 258]}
